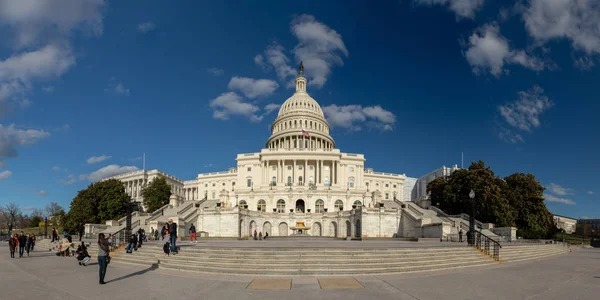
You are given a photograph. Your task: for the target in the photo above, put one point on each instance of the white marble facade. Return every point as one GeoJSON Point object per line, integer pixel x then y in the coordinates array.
{"type": "Point", "coordinates": [300, 175]}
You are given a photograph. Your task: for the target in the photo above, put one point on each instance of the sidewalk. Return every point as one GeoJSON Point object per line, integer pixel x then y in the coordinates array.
{"type": "Point", "coordinates": [572, 276]}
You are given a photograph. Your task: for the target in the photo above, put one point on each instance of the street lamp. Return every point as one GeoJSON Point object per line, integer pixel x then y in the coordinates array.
{"type": "Point", "coordinates": [472, 219]}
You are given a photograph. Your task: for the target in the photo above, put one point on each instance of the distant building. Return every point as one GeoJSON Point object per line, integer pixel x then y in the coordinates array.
{"type": "Point", "coordinates": [416, 188]}
{"type": "Point", "coordinates": [565, 223]}
{"type": "Point", "coordinates": [588, 227]}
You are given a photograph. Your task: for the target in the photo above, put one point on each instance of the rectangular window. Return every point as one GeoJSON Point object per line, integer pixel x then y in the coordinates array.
{"type": "Point", "coordinates": [299, 167]}
{"type": "Point", "coordinates": [289, 167]}
{"type": "Point", "coordinates": [249, 182]}
{"type": "Point", "coordinates": [310, 168]}
{"type": "Point", "coordinates": [214, 195]}
{"type": "Point", "coordinates": [274, 168]}
{"type": "Point", "coordinates": [387, 185]}
{"type": "Point", "coordinates": [387, 196]}
{"type": "Point", "coordinates": [249, 169]}
{"type": "Point", "coordinates": [326, 168]}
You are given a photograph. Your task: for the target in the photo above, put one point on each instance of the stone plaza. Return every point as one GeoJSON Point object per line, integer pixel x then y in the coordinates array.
{"type": "Point", "coordinates": [573, 275]}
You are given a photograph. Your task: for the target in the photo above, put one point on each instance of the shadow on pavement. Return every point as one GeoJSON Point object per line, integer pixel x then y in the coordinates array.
{"type": "Point", "coordinates": [141, 272]}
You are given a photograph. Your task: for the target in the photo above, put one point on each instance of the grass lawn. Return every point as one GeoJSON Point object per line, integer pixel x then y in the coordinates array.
{"type": "Point", "coordinates": [571, 238]}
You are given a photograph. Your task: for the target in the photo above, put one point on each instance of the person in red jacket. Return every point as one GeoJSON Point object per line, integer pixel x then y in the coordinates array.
{"type": "Point", "coordinates": [13, 243]}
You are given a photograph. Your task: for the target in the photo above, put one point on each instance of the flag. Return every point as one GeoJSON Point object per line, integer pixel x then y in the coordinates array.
{"type": "Point", "coordinates": [304, 132]}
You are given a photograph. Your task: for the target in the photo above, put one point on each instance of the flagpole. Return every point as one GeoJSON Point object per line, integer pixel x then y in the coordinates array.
{"type": "Point", "coordinates": [144, 164]}
{"type": "Point", "coordinates": [462, 160]}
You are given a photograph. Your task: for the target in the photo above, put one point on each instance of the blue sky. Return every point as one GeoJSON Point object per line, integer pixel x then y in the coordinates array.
{"type": "Point", "coordinates": [86, 87]}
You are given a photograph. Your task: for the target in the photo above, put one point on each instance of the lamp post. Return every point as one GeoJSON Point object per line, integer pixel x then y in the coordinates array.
{"type": "Point", "coordinates": [472, 219]}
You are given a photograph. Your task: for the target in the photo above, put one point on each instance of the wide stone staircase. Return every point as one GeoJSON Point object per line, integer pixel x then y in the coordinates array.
{"type": "Point", "coordinates": [326, 261]}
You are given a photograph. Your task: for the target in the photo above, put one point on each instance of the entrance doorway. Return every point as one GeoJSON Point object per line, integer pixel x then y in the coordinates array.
{"type": "Point", "coordinates": [300, 206]}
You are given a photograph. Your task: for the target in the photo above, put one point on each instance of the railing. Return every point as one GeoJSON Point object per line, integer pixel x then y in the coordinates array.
{"type": "Point", "coordinates": [483, 243]}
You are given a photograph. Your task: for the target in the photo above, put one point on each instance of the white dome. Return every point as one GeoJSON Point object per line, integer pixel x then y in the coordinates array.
{"type": "Point", "coordinates": [300, 102]}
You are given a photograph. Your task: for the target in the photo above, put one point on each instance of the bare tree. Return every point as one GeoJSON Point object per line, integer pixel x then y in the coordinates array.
{"type": "Point", "coordinates": [54, 209]}
{"type": "Point", "coordinates": [11, 212]}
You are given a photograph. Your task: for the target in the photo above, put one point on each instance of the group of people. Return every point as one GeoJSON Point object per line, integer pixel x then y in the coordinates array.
{"type": "Point", "coordinates": [25, 243]}
{"type": "Point", "coordinates": [136, 240]}
{"type": "Point", "coordinates": [260, 235]}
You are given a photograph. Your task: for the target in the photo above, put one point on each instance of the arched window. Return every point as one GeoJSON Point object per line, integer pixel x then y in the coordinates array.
{"type": "Point", "coordinates": [300, 180]}
{"type": "Point", "coordinates": [242, 203]}
{"type": "Point", "coordinates": [274, 181]}
{"type": "Point", "coordinates": [262, 205]}
{"type": "Point", "coordinates": [280, 206]}
{"type": "Point", "coordinates": [319, 206]}
{"type": "Point", "coordinates": [351, 182]}
{"type": "Point", "coordinates": [358, 203]}
{"type": "Point", "coordinates": [339, 205]}
{"type": "Point", "coordinates": [295, 124]}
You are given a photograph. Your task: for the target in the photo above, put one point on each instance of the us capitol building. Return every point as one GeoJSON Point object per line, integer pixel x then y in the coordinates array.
{"type": "Point", "coordinates": [299, 184]}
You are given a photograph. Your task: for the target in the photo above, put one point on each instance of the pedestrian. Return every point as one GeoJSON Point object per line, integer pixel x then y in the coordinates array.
{"type": "Point", "coordinates": [260, 236]}
{"type": "Point", "coordinates": [13, 243]}
{"type": "Point", "coordinates": [28, 244]}
{"type": "Point", "coordinates": [33, 238]}
{"type": "Point", "coordinates": [103, 256]}
{"type": "Point", "coordinates": [266, 235]}
{"type": "Point", "coordinates": [53, 235]}
{"type": "Point", "coordinates": [22, 243]}
{"type": "Point", "coordinates": [151, 233]}
{"type": "Point", "coordinates": [193, 233]}
{"type": "Point", "coordinates": [156, 235]}
{"type": "Point", "coordinates": [173, 236]}
{"type": "Point", "coordinates": [254, 234]}
{"type": "Point", "coordinates": [132, 244]}
{"type": "Point", "coordinates": [164, 231]}
{"type": "Point", "coordinates": [81, 231]}
{"type": "Point", "coordinates": [460, 233]}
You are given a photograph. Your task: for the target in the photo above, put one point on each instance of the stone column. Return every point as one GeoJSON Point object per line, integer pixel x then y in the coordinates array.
{"type": "Point", "coordinates": [294, 173]}
{"type": "Point", "coordinates": [320, 171]}
{"type": "Point", "coordinates": [304, 180]}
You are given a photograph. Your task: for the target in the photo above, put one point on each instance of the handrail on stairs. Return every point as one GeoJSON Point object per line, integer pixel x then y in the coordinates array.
{"type": "Point", "coordinates": [483, 242]}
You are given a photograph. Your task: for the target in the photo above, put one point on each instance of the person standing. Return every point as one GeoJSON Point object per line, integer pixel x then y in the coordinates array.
{"type": "Point", "coordinates": [28, 244]}
{"type": "Point", "coordinates": [33, 238]}
{"type": "Point", "coordinates": [22, 243]}
{"type": "Point", "coordinates": [102, 256]}
{"type": "Point", "coordinates": [13, 243]}
{"type": "Point", "coordinates": [173, 236]}
{"type": "Point", "coordinates": [53, 235]}
{"type": "Point", "coordinates": [193, 233]}
{"type": "Point", "coordinates": [81, 231]}
{"type": "Point", "coordinates": [460, 233]}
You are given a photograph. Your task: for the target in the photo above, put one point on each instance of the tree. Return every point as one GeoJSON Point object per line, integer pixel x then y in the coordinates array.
{"type": "Point", "coordinates": [526, 196]}
{"type": "Point", "coordinates": [156, 194]}
{"type": "Point", "coordinates": [36, 217]}
{"type": "Point", "coordinates": [491, 205]}
{"type": "Point", "coordinates": [54, 209]}
{"type": "Point", "coordinates": [10, 212]}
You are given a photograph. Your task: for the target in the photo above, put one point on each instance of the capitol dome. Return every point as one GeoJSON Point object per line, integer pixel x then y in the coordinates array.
{"type": "Point", "coordinates": [300, 123]}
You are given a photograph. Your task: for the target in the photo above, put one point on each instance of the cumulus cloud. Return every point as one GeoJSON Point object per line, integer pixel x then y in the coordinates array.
{"type": "Point", "coordinates": [145, 27]}
{"type": "Point", "coordinates": [97, 159]}
{"type": "Point", "coordinates": [352, 117]}
{"type": "Point", "coordinates": [319, 47]}
{"type": "Point", "coordinates": [584, 63]}
{"type": "Point", "coordinates": [12, 137]}
{"type": "Point", "coordinates": [70, 179]}
{"type": "Point", "coordinates": [42, 193]}
{"type": "Point", "coordinates": [524, 113]}
{"type": "Point", "coordinates": [4, 175]}
{"type": "Point", "coordinates": [231, 104]}
{"type": "Point", "coordinates": [590, 193]}
{"type": "Point", "coordinates": [252, 88]}
{"type": "Point", "coordinates": [489, 51]}
{"type": "Point", "coordinates": [271, 107]}
{"type": "Point", "coordinates": [56, 169]}
{"type": "Point", "coordinates": [551, 198]}
{"type": "Point", "coordinates": [109, 171]}
{"type": "Point", "coordinates": [462, 8]}
{"type": "Point", "coordinates": [215, 71]}
{"type": "Point", "coordinates": [509, 136]}
{"type": "Point", "coordinates": [33, 22]}
{"type": "Point", "coordinates": [559, 190]}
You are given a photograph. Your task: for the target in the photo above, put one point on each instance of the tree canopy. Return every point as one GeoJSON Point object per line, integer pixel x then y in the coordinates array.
{"type": "Point", "coordinates": [156, 194]}
{"type": "Point", "coordinates": [99, 202]}
{"type": "Point", "coordinates": [515, 201]}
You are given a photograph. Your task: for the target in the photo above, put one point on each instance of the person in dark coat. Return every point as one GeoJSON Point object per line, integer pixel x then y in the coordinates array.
{"type": "Point", "coordinates": [173, 236]}
{"type": "Point", "coordinates": [22, 243]}
{"type": "Point", "coordinates": [13, 243]}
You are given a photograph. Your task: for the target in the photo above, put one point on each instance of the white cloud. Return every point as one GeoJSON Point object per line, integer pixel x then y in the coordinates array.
{"type": "Point", "coordinates": [33, 22]}
{"type": "Point", "coordinates": [319, 47]}
{"type": "Point", "coordinates": [56, 169]}
{"type": "Point", "coordinates": [42, 193]}
{"type": "Point", "coordinates": [352, 116]}
{"type": "Point", "coordinates": [575, 20]}
{"type": "Point", "coordinates": [12, 137]}
{"type": "Point", "coordinates": [525, 112]}
{"type": "Point", "coordinates": [109, 171]}
{"type": "Point", "coordinates": [253, 88]}
{"type": "Point", "coordinates": [215, 71]}
{"type": "Point", "coordinates": [551, 198]}
{"type": "Point", "coordinates": [117, 87]}
{"type": "Point", "coordinates": [145, 27]}
{"type": "Point", "coordinates": [4, 175]}
{"type": "Point", "coordinates": [584, 63]}
{"type": "Point", "coordinates": [585, 218]}
{"type": "Point", "coordinates": [559, 190]}
{"type": "Point", "coordinates": [97, 159]}
{"type": "Point", "coordinates": [48, 89]}
{"type": "Point", "coordinates": [590, 193]}
{"type": "Point", "coordinates": [489, 51]}
{"type": "Point", "coordinates": [271, 107]}
{"type": "Point", "coordinates": [231, 104]}
{"type": "Point", "coordinates": [70, 179]}
{"type": "Point", "coordinates": [462, 8]}
{"type": "Point", "coordinates": [509, 136]}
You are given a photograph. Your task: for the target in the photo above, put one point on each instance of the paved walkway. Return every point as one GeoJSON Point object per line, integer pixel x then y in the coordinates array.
{"type": "Point", "coordinates": [44, 276]}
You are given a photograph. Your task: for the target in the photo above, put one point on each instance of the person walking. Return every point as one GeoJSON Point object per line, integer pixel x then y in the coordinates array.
{"type": "Point", "coordinates": [164, 231]}
{"type": "Point", "coordinates": [28, 244]}
{"type": "Point", "coordinates": [460, 233]}
{"type": "Point", "coordinates": [22, 243]}
{"type": "Point", "coordinates": [53, 235]}
{"type": "Point", "coordinates": [13, 243]}
{"type": "Point", "coordinates": [102, 256]}
{"type": "Point", "coordinates": [33, 238]}
{"type": "Point", "coordinates": [173, 236]}
{"type": "Point", "coordinates": [255, 234]}
{"type": "Point", "coordinates": [193, 233]}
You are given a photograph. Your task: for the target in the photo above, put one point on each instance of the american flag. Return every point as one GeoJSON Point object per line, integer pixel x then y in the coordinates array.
{"type": "Point", "coordinates": [305, 133]}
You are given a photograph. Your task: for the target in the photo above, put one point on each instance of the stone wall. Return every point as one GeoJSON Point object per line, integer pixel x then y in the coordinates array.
{"type": "Point", "coordinates": [508, 233]}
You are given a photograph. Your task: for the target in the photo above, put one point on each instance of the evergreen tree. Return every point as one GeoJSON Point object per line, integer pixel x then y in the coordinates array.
{"type": "Point", "coordinates": [156, 194]}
